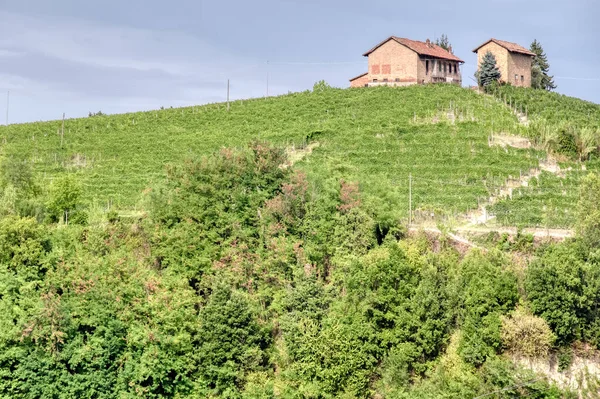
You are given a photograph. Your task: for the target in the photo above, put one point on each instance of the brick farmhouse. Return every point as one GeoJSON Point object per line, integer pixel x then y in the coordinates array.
{"type": "Point", "coordinates": [401, 62]}
{"type": "Point", "coordinates": [513, 60]}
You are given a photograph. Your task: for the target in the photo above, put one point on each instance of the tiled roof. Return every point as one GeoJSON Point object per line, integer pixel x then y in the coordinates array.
{"type": "Point", "coordinates": [421, 48]}
{"type": "Point", "coordinates": [512, 47]}
{"type": "Point", "coordinates": [359, 76]}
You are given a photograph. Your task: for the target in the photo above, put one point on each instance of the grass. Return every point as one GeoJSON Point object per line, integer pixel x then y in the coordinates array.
{"type": "Point", "coordinates": [549, 200]}
{"type": "Point", "coordinates": [376, 136]}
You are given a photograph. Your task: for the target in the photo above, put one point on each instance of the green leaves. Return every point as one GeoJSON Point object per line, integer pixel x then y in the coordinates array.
{"type": "Point", "coordinates": [563, 289]}
{"type": "Point", "coordinates": [540, 79]}
{"type": "Point", "coordinates": [231, 342]}
{"type": "Point", "coordinates": [64, 202]}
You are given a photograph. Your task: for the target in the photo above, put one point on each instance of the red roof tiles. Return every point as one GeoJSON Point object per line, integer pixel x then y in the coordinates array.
{"type": "Point", "coordinates": [512, 47]}
{"type": "Point", "coordinates": [421, 48]}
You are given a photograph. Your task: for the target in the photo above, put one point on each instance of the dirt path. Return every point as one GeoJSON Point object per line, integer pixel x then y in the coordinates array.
{"type": "Point", "coordinates": [458, 234]}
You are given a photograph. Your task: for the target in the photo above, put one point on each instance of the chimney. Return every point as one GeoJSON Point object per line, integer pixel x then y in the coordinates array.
{"type": "Point", "coordinates": [428, 42]}
{"type": "Point", "coordinates": [450, 49]}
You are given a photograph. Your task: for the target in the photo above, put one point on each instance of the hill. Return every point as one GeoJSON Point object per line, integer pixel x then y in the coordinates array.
{"type": "Point", "coordinates": [269, 256]}
{"type": "Point", "coordinates": [377, 137]}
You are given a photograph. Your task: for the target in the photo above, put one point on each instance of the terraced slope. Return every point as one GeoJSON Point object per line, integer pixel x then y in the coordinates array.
{"type": "Point", "coordinates": [570, 129]}
{"type": "Point", "coordinates": [438, 134]}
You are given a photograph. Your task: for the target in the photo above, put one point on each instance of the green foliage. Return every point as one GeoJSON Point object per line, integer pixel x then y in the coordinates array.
{"type": "Point", "coordinates": [488, 71]}
{"type": "Point", "coordinates": [563, 289]}
{"type": "Point", "coordinates": [565, 358]}
{"type": "Point", "coordinates": [209, 206]}
{"type": "Point", "coordinates": [247, 278]}
{"type": "Point", "coordinates": [19, 193]}
{"type": "Point", "coordinates": [118, 157]}
{"type": "Point", "coordinates": [64, 202]}
{"type": "Point", "coordinates": [487, 292]}
{"type": "Point", "coordinates": [23, 246]}
{"type": "Point", "coordinates": [231, 343]}
{"type": "Point", "coordinates": [320, 86]}
{"type": "Point", "coordinates": [443, 42]}
{"type": "Point", "coordinates": [588, 213]}
{"type": "Point", "coordinates": [540, 79]}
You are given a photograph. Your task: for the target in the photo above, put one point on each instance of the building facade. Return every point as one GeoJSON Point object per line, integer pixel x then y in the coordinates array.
{"type": "Point", "coordinates": [513, 61]}
{"type": "Point", "coordinates": [402, 62]}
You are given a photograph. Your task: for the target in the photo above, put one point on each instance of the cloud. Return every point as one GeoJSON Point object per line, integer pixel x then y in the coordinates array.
{"type": "Point", "coordinates": [83, 62]}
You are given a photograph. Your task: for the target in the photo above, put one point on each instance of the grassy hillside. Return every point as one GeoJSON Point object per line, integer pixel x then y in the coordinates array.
{"type": "Point", "coordinates": [376, 136]}
{"type": "Point", "coordinates": [244, 279]}
{"type": "Point", "coordinates": [568, 128]}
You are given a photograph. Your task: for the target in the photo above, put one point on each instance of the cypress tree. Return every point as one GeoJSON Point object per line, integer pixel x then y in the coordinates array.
{"type": "Point", "coordinates": [488, 71]}
{"type": "Point", "coordinates": [540, 79]}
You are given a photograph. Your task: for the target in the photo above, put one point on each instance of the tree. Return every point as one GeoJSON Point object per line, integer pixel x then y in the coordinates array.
{"type": "Point", "coordinates": [540, 79]}
{"type": "Point", "coordinates": [443, 42]}
{"type": "Point", "coordinates": [488, 71]}
{"type": "Point", "coordinates": [65, 195]}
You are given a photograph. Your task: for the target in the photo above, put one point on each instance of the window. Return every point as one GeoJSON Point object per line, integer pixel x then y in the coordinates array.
{"type": "Point", "coordinates": [427, 67]}
{"type": "Point", "coordinates": [522, 79]}
{"type": "Point", "coordinates": [444, 67]}
{"type": "Point", "coordinates": [366, 85]}
{"type": "Point", "coordinates": [455, 68]}
{"type": "Point", "coordinates": [374, 80]}
{"type": "Point", "coordinates": [385, 80]}
{"type": "Point", "coordinates": [439, 66]}
{"type": "Point", "coordinates": [397, 79]}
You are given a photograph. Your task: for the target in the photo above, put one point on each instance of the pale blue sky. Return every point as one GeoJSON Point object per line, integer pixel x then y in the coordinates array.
{"type": "Point", "coordinates": [77, 56]}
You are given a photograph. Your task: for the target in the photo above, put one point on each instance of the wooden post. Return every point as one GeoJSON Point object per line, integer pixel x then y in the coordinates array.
{"type": "Point", "coordinates": [62, 134]}
{"type": "Point", "coordinates": [227, 95]}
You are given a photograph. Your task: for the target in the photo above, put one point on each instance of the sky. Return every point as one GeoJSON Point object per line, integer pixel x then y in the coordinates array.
{"type": "Point", "coordinates": [115, 56]}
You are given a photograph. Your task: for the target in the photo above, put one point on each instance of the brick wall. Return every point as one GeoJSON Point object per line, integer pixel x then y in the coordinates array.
{"type": "Point", "coordinates": [360, 82]}
{"type": "Point", "coordinates": [394, 62]}
{"type": "Point", "coordinates": [501, 55]}
{"type": "Point", "coordinates": [519, 65]}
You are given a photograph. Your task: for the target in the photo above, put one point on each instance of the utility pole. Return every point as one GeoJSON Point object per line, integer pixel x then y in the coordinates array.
{"type": "Point", "coordinates": [409, 199]}
{"type": "Point", "coordinates": [227, 95]}
{"type": "Point", "coordinates": [7, 105]}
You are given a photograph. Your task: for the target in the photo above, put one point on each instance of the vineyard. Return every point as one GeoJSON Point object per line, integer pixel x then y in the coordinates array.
{"type": "Point", "coordinates": [564, 126]}
{"type": "Point", "coordinates": [175, 254]}
{"type": "Point", "coordinates": [437, 134]}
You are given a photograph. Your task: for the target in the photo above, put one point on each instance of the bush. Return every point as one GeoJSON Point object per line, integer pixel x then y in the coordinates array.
{"type": "Point", "coordinates": [563, 289]}
{"type": "Point", "coordinates": [232, 342]}
{"type": "Point", "coordinates": [526, 335]}
{"type": "Point", "coordinates": [64, 204]}
{"type": "Point", "coordinates": [321, 86]}
{"type": "Point", "coordinates": [23, 245]}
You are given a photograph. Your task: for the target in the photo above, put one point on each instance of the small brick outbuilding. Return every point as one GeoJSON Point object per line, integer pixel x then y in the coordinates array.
{"type": "Point", "coordinates": [401, 62]}
{"type": "Point", "coordinates": [513, 61]}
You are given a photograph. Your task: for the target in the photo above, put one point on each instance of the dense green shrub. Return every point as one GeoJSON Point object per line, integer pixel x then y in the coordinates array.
{"type": "Point", "coordinates": [486, 291]}
{"type": "Point", "coordinates": [563, 289]}
{"type": "Point", "coordinates": [64, 202]}
{"type": "Point", "coordinates": [231, 343]}
{"type": "Point", "coordinates": [588, 211]}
